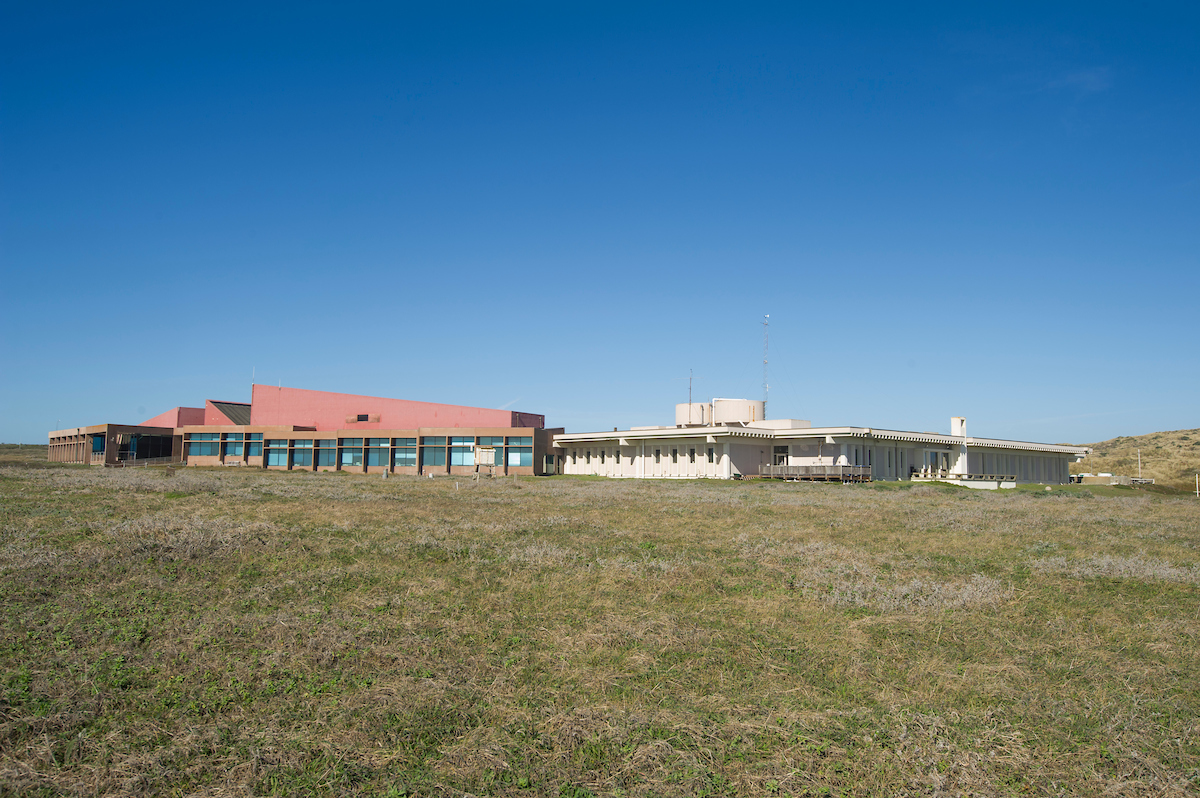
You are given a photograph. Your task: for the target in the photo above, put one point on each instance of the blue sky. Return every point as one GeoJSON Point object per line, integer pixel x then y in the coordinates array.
{"type": "Point", "coordinates": [989, 211]}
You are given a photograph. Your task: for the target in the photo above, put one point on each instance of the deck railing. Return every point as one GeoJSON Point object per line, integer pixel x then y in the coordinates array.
{"type": "Point", "coordinates": [844, 473]}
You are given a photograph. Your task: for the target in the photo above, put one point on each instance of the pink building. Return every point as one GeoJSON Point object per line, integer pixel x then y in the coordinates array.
{"type": "Point", "coordinates": [297, 429]}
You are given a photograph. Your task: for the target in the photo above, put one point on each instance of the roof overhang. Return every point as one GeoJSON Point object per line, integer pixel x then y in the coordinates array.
{"type": "Point", "coordinates": [825, 435]}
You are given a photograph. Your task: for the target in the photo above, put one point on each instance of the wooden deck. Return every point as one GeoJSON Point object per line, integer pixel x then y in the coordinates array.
{"type": "Point", "coordinates": [816, 473]}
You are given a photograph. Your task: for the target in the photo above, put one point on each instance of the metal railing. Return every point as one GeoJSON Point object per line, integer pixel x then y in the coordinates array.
{"type": "Point", "coordinates": [943, 474]}
{"type": "Point", "coordinates": [147, 461]}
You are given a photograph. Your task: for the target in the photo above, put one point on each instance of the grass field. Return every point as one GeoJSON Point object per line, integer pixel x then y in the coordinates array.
{"type": "Point", "coordinates": [1170, 458]}
{"type": "Point", "coordinates": [229, 632]}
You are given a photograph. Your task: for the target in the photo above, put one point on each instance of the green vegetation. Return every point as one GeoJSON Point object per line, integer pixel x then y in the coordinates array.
{"type": "Point", "coordinates": [1169, 458]}
{"type": "Point", "coordinates": [244, 632]}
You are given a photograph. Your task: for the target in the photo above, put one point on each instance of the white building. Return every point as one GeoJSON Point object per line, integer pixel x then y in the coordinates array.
{"type": "Point", "coordinates": [729, 438]}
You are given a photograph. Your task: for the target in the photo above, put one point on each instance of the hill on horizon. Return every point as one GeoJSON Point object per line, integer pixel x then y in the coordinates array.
{"type": "Point", "coordinates": [1169, 458]}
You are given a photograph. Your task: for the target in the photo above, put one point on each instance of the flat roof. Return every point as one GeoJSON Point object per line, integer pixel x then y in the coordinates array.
{"type": "Point", "coordinates": [751, 431]}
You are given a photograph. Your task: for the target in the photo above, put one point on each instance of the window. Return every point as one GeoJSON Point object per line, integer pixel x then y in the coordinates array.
{"type": "Point", "coordinates": [254, 444]}
{"type": "Point", "coordinates": [574, 457]}
{"type": "Point", "coordinates": [658, 455]}
{"type": "Point", "coordinates": [433, 456]}
{"type": "Point", "coordinates": [203, 445]}
{"type": "Point", "coordinates": [691, 455]}
{"type": "Point", "coordinates": [405, 455]}
{"type": "Point", "coordinates": [352, 451]}
{"type": "Point", "coordinates": [601, 457]}
{"type": "Point", "coordinates": [616, 456]}
{"type": "Point", "coordinates": [362, 417]}
{"type": "Point", "coordinates": [326, 453]}
{"type": "Point", "coordinates": [520, 441]}
{"type": "Point", "coordinates": [497, 443]}
{"type": "Point", "coordinates": [710, 454]}
{"type": "Point", "coordinates": [277, 453]}
{"type": "Point", "coordinates": [462, 451]}
{"type": "Point", "coordinates": [377, 451]}
{"type": "Point", "coordinates": [232, 448]}
{"type": "Point", "coordinates": [674, 455]}
{"type": "Point", "coordinates": [587, 457]}
{"type": "Point", "coordinates": [548, 465]}
{"type": "Point", "coordinates": [433, 441]}
{"type": "Point", "coordinates": [303, 444]}
{"type": "Point", "coordinates": [302, 457]}
{"type": "Point", "coordinates": [520, 455]}
{"type": "Point", "coordinates": [97, 444]}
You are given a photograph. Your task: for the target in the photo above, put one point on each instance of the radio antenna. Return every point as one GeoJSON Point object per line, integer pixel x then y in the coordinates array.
{"type": "Point", "coordinates": [766, 328]}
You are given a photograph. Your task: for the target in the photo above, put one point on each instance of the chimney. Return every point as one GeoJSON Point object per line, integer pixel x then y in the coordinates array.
{"type": "Point", "coordinates": [958, 427]}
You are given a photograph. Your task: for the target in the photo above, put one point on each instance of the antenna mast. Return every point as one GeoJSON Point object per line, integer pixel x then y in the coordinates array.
{"type": "Point", "coordinates": [766, 327]}
{"type": "Point", "coordinates": [690, 397]}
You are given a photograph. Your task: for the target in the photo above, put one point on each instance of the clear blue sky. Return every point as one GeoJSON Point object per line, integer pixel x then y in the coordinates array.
{"type": "Point", "coordinates": [989, 211]}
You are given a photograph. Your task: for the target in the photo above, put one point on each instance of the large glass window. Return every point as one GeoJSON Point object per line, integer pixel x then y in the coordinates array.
{"type": "Point", "coordinates": [326, 453]}
{"type": "Point", "coordinates": [405, 455]}
{"type": "Point", "coordinates": [352, 451]}
{"type": "Point", "coordinates": [433, 441]}
{"type": "Point", "coordinates": [404, 441]}
{"type": "Point", "coordinates": [520, 441]}
{"type": "Point", "coordinates": [433, 455]}
{"type": "Point", "coordinates": [204, 444]}
{"type": "Point", "coordinates": [254, 444]}
{"type": "Point", "coordinates": [302, 457]}
{"type": "Point", "coordinates": [520, 455]}
{"type": "Point", "coordinates": [277, 453]}
{"type": "Point", "coordinates": [497, 443]}
{"type": "Point", "coordinates": [462, 451]}
{"type": "Point", "coordinates": [233, 444]}
{"type": "Point", "coordinates": [377, 451]}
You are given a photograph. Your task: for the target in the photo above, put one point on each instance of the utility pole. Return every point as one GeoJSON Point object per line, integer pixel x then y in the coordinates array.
{"type": "Point", "coordinates": [1139, 463]}
{"type": "Point", "coordinates": [766, 329]}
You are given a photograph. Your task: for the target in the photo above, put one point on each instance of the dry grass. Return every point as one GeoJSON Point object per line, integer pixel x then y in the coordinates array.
{"type": "Point", "coordinates": [1170, 458]}
{"type": "Point", "coordinates": [241, 633]}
